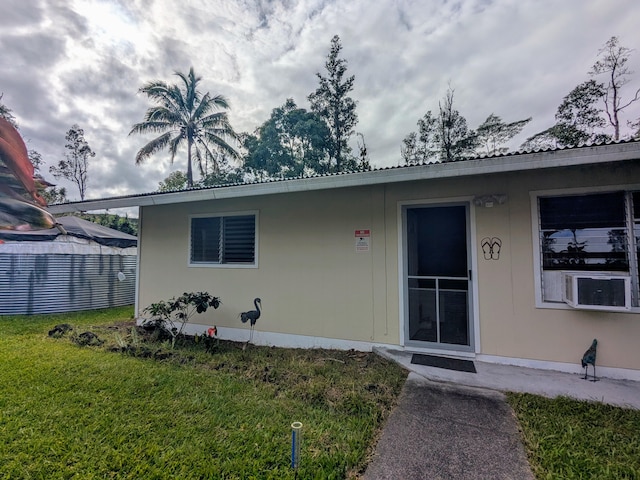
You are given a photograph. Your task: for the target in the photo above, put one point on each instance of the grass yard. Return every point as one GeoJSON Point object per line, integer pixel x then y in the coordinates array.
{"type": "Point", "coordinates": [86, 412]}
{"type": "Point", "coordinates": [569, 439]}
{"type": "Point", "coordinates": [68, 411]}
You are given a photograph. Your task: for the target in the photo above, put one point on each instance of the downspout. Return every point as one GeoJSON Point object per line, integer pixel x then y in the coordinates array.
{"type": "Point", "coordinates": [139, 251]}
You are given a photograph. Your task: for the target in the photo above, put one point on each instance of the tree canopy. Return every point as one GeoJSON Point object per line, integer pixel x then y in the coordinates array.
{"type": "Point", "coordinates": [441, 138]}
{"type": "Point", "coordinates": [75, 165]}
{"type": "Point", "coordinates": [291, 142]}
{"type": "Point", "coordinates": [122, 224]}
{"type": "Point", "coordinates": [493, 134]}
{"type": "Point", "coordinates": [613, 65]}
{"type": "Point", "coordinates": [182, 115]}
{"type": "Point", "coordinates": [332, 102]}
{"type": "Point", "coordinates": [578, 119]}
{"type": "Point", "coordinates": [176, 180]}
{"type": "Point", "coordinates": [592, 106]}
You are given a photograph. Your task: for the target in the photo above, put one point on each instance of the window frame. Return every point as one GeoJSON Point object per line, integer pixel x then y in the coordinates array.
{"type": "Point", "coordinates": [221, 215]}
{"type": "Point", "coordinates": [537, 254]}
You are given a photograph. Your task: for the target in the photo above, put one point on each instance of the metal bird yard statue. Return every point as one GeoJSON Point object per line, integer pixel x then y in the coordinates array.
{"type": "Point", "coordinates": [589, 358]}
{"type": "Point", "coordinates": [252, 317]}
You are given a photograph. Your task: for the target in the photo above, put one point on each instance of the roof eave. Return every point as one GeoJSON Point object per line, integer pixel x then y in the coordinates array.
{"type": "Point", "coordinates": [591, 155]}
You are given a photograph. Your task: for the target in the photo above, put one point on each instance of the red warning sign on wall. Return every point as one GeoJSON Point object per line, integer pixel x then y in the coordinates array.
{"type": "Point", "coordinates": [363, 238]}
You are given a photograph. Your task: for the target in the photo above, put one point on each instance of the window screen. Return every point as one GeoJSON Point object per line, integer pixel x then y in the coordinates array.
{"type": "Point", "coordinates": [223, 240]}
{"type": "Point", "coordinates": [597, 232]}
{"type": "Point", "coordinates": [601, 210]}
{"type": "Point", "coordinates": [584, 232]}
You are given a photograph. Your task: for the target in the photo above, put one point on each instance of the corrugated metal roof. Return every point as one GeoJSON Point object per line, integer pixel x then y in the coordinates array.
{"type": "Point", "coordinates": [74, 227]}
{"type": "Point", "coordinates": [602, 152]}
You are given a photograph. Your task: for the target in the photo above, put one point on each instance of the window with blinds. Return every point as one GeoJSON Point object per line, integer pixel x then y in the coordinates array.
{"type": "Point", "coordinates": [228, 239]}
{"type": "Point", "coordinates": [597, 232]}
{"type": "Point", "coordinates": [584, 232]}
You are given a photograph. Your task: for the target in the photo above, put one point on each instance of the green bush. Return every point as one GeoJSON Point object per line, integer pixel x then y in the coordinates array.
{"type": "Point", "coordinates": [170, 317]}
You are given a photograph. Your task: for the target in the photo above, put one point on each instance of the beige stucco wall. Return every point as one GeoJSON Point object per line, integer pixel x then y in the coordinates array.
{"type": "Point", "coordinates": [312, 282]}
{"type": "Point", "coordinates": [511, 325]}
{"type": "Point", "coordinates": [309, 276]}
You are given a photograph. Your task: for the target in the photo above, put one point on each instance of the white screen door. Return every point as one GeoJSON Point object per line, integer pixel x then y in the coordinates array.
{"type": "Point", "coordinates": [437, 276]}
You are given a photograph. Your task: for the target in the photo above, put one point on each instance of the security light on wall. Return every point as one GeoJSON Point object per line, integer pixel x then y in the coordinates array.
{"type": "Point", "coordinates": [490, 200]}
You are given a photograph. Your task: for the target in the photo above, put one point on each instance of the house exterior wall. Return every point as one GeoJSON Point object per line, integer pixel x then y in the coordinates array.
{"type": "Point", "coordinates": [511, 324]}
{"type": "Point", "coordinates": [309, 276]}
{"type": "Point", "coordinates": [314, 284]}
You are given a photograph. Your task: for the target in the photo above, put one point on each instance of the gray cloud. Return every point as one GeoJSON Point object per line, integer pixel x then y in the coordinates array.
{"type": "Point", "coordinates": [22, 51]}
{"type": "Point", "coordinates": [19, 13]}
{"type": "Point", "coordinates": [84, 61]}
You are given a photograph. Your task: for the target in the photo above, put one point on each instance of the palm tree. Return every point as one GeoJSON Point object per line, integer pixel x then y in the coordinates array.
{"type": "Point", "coordinates": [185, 115]}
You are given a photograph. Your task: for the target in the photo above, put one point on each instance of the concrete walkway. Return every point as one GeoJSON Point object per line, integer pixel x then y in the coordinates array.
{"type": "Point", "coordinates": [508, 378]}
{"type": "Point", "coordinates": [457, 425]}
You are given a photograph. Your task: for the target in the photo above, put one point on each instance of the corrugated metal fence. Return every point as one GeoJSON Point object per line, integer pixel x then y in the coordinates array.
{"type": "Point", "coordinates": [53, 283]}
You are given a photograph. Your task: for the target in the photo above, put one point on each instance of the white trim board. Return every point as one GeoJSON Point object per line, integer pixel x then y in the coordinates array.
{"type": "Point", "coordinates": [284, 340]}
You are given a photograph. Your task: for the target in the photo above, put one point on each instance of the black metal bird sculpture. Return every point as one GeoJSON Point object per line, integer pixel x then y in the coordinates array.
{"type": "Point", "coordinates": [589, 358]}
{"type": "Point", "coordinates": [252, 316]}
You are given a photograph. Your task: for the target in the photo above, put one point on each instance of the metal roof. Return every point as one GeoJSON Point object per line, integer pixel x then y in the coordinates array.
{"type": "Point", "coordinates": [509, 162]}
{"type": "Point", "coordinates": [74, 227]}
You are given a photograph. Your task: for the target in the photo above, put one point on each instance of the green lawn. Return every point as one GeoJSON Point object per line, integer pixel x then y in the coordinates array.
{"type": "Point", "coordinates": [86, 412]}
{"type": "Point", "coordinates": [569, 439]}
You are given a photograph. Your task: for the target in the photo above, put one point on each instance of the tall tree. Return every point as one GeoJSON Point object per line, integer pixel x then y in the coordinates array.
{"type": "Point", "coordinates": [493, 133]}
{"type": "Point", "coordinates": [182, 115]}
{"type": "Point", "coordinates": [445, 138]}
{"type": "Point", "coordinates": [412, 151]}
{"type": "Point", "coordinates": [75, 165]}
{"type": "Point", "coordinates": [613, 64]}
{"type": "Point", "coordinates": [580, 117]}
{"type": "Point", "coordinates": [332, 102]}
{"type": "Point", "coordinates": [578, 120]}
{"type": "Point", "coordinates": [457, 141]}
{"type": "Point", "coordinates": [289, 143]}
{"type": "Point", "coordinates": [579, 113]}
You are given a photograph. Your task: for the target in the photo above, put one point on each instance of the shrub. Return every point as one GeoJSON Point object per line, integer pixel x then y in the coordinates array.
{"type": "Point", "coordinates": [170, 317]}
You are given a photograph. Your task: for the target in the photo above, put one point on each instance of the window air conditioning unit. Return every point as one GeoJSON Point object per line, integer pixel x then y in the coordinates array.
{"type": "Point", "coordinates": [594, 291]}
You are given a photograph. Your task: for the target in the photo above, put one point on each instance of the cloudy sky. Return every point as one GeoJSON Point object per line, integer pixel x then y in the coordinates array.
{"type": "Point", "coordinates": [82, 61]}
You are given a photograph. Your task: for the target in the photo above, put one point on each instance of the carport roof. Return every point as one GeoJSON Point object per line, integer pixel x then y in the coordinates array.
{"type": "Point", "coordinates": [511, 162]}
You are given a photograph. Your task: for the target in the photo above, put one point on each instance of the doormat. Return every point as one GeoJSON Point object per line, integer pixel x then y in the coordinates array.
{"type": "Point", "coordinates": [443, 362]}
